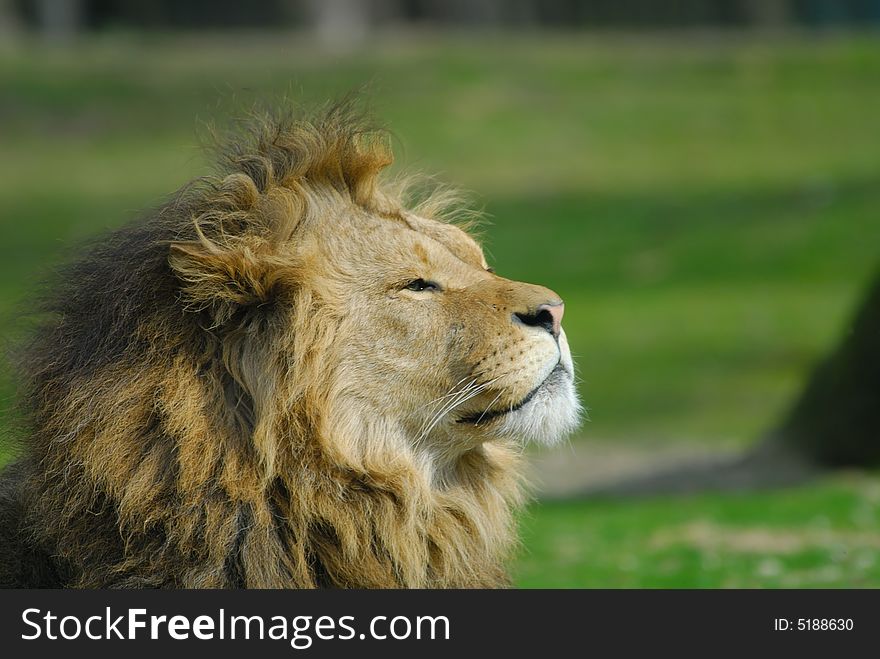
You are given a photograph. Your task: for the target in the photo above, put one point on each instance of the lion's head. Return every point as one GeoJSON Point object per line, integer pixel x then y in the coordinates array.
{"type": "Point", "coordinates": [290, 376]}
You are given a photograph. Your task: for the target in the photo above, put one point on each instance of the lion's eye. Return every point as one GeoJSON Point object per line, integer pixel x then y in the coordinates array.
{"type": "Point", "coordinates": [422, 285]}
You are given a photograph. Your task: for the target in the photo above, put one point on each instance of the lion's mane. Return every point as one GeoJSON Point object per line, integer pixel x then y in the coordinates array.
{"type": "Point", "coordinates": [174, 427]}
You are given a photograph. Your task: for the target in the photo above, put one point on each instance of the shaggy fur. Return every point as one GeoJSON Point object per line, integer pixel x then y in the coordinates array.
{"type": "Point", "coordinates": [207, 407]}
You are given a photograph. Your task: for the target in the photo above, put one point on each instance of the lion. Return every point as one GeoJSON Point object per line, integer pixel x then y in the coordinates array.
{"type": "Point", "coordinates": [288, 376]}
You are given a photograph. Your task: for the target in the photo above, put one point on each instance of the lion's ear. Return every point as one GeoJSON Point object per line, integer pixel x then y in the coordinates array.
{"type": "Point", "coordinates": [222, 279]}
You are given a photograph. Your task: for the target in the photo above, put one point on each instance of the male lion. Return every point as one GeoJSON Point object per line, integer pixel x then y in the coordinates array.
{"type": "Point", "coordinates": [283, 378]}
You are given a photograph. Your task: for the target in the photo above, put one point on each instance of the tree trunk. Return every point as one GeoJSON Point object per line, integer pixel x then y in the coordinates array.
{"type": "Point", "coordinates": [834, 422]}
{"type": "Point", "coordinates": [836, 419]}
{"type": "Point", "coordinates": [340, 24]}
{"type": "Point", "coordinates": [60, 20]}
{"type": "Point", "coordinates": [9, 23]}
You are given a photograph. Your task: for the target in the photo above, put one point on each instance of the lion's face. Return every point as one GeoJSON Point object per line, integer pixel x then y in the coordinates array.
{"type": "Point", "coordinates": [434, 341]}
{"type": "Point", "coordinates": [284, 379]}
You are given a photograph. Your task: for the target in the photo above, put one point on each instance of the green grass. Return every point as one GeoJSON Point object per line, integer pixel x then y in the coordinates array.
{"type": "Point", "coordinates": [812, 537]}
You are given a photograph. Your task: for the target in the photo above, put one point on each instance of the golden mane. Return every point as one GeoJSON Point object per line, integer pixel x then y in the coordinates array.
{"type": "Point", "coordinates": [179, 434]}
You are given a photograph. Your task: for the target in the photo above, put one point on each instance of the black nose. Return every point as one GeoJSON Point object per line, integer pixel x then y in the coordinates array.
{"type": "Point", "coordinates": [548, 316]}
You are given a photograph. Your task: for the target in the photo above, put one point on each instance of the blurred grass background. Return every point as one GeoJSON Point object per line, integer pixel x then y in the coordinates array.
{"type": "Point", "coordinates": [707, 207]}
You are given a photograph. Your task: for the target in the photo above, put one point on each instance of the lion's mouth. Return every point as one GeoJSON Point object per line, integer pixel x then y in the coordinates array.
{"type": "Point", "coordinates": [489, 415]}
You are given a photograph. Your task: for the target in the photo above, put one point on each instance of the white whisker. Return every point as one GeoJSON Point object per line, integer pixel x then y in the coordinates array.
{"type": "Point", "coordinates": [494, 400]}
{"type": "Point", "coordinates": [465, 394]}
{"type": "Point", "coordinates": [444, 409]}
{"type": "Point", "coordinates": [451, 392]}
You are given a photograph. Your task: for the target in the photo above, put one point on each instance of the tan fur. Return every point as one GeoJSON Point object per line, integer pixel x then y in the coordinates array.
{"type": "Point", "coordinates": [265, 421]}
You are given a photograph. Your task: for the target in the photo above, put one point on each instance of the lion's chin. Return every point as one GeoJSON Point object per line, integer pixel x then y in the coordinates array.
{"type": "Point", "coordinates": [546, 415]}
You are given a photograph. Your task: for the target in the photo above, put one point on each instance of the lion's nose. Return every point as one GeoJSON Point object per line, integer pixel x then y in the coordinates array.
{"type": "Point", "coordinates": [548, 316]}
